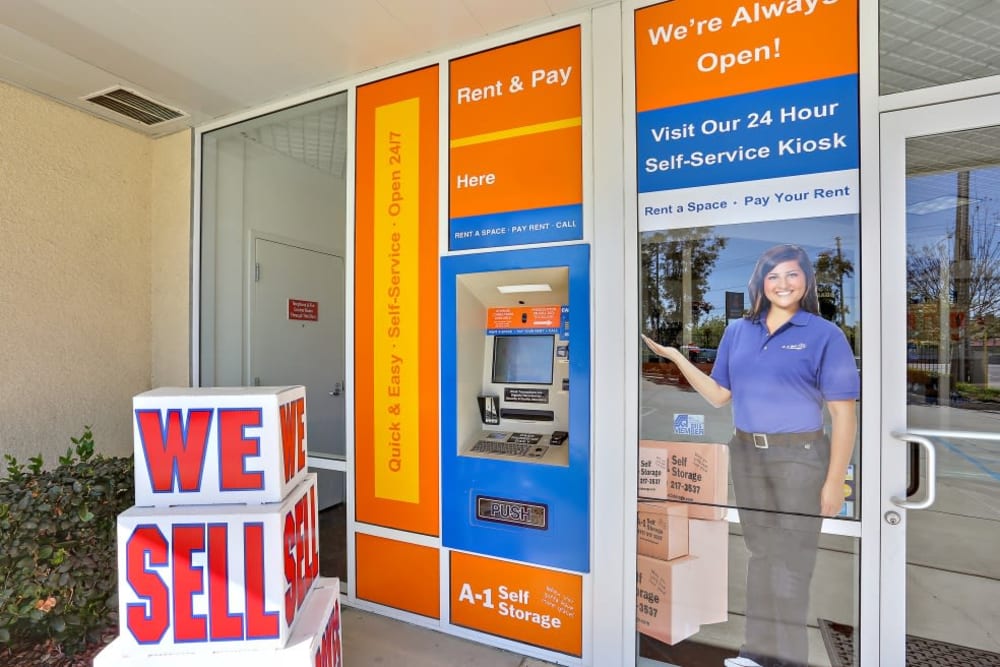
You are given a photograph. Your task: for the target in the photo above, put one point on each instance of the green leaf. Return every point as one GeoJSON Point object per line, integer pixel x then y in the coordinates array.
{"type": "Point", "coordinates": [85, 514]}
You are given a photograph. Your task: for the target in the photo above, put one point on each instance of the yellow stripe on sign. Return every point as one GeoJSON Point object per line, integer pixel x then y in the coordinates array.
{"type": "Point", "coordinates": [396, 284]}
{"type": "Point", "coordinates": [516, 132]}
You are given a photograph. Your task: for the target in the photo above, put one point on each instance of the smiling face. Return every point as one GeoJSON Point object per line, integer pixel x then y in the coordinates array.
{"type": "Point", "coordinates": [785, 286]}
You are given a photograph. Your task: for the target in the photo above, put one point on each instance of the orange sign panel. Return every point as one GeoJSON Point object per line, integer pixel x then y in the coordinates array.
{"type": "Point", "coordinates": [528, 317]}
{"type": "Point", "coordinates": [516, 132]}
{"type": "Point", "coordinates": [520, 602]}
{"type": "Point", "coordinates": [396, 324]}
{"type": "Point", "coordinates": [399, 574]}
{"type": "Point", "coordinates": [688, 51]}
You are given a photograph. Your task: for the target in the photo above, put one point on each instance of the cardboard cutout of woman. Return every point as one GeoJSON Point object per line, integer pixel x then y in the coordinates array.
{"type": "Point", "coordinates": [779, 366]}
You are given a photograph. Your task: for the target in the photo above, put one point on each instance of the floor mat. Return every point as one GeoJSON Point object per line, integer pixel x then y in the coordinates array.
{"type": "Point", "coordinates": [920, 652]}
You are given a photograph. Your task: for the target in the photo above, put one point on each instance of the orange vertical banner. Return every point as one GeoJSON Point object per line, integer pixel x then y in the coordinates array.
{"type": "Point", "coordinates": [396, 317]}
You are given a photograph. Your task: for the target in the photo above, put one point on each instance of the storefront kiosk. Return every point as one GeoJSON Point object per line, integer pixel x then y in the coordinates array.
{"type": "Point", "coordinates": [516, 406]}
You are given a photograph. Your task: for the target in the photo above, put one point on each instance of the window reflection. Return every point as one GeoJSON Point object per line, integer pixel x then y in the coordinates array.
{"type": "Point", "coordinates": [953, 289]}
{"type": "Point", "coordinates": [693, 284]}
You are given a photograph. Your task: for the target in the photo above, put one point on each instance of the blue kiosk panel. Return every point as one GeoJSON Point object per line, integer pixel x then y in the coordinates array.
{"type": "Point", "coordinates": [529, 502]}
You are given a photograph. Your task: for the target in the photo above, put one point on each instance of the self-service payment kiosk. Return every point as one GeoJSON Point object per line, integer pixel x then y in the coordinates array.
{"type": "Point", "coordinates": [516, 405]}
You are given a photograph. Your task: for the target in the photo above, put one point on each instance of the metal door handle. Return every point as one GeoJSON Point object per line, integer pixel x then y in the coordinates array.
{"type": "Point", "coordinates": [338, 388]}
{"type": "Point", "coordinates": [930, 476]}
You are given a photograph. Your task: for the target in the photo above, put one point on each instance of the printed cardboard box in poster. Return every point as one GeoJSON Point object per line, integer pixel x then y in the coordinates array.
{"type": "Point", "coordinates": [662, 530]}
{"type": "Point", "coordinates": [666, 598]}
{"type": "Point", "coordinates": [691, 472]}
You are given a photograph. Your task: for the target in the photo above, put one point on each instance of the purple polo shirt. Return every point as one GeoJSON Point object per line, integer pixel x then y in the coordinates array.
{"type": "Point", "coordinates": [780, 382]}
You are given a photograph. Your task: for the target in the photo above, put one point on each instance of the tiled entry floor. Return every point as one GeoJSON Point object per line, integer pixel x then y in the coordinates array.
{"type": "Point", "coordinates": [371, 640]}
{"type": "Point", "coordinates": [378, 641]}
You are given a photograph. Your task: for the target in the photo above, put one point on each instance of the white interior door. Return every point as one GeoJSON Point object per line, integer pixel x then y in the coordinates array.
{"type": "Point", "coordinates": [940, 502]}
{"type": "Point", "coordinates": [297, 337]}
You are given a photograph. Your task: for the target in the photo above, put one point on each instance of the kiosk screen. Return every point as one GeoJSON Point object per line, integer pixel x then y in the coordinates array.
{"type": "Point", "coordinates": [523, 359]}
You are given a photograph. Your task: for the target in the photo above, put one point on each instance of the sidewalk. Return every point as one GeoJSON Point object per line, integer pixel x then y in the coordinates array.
{"type": "Point", "coordinates": [371, 640]}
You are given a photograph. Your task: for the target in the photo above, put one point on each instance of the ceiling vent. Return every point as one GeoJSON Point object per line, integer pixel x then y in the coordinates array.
{"type": "Point", "coordinates": [135, 106]}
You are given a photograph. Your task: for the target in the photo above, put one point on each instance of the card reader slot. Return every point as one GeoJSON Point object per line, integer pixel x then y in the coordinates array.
{"type": "Point", "coordinates": [526, 414]}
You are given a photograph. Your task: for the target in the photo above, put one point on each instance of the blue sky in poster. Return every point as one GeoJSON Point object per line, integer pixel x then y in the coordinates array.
{"type": "Point", "coordinates": [745, 242]}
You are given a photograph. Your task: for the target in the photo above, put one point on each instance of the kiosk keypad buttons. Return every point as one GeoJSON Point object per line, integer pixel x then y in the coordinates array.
{"type": "Point", "coordinates": [509, 448]}
{"type": "Point", "coordinates": [503, 448]}
{"type": "Point", "coordinates": [558, 437]}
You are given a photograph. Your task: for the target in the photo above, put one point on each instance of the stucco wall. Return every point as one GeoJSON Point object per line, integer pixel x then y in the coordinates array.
{"type": "Point", "coordinates": [171, 260]}
{"type": "Point", "coordinates": [76, 332]}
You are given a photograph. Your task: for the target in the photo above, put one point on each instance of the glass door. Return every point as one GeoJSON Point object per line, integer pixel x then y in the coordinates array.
{"type": "Point", "coordinates": [940, 506]}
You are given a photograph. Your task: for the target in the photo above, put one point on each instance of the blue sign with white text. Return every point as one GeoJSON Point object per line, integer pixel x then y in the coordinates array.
{"type": "Point", "coordinates": [806, 128]}
{"type": "Point", "coordinates": [496, 230]}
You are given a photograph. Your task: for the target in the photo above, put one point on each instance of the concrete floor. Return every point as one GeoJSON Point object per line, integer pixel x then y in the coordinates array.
{"type": "Point", "coordinates": [373, 640]}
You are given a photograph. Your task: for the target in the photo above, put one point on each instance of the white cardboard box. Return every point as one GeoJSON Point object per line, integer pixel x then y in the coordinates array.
{"type": "Point", "coordinates": [216, 578]}
{"type": "Point", "coordinates": [218, 445]}
{"type": "Point", "coordinates": [316, 641]}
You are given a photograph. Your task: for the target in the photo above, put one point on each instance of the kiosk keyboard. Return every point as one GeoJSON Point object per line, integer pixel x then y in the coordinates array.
{"type": "Point", "coordinates": [504, 448]}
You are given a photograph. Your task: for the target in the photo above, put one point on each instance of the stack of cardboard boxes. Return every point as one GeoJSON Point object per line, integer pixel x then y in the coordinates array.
{"type": "Point", "coordinates": [219, 557]}
{"type": "Point", "coordinates": [683, 538]}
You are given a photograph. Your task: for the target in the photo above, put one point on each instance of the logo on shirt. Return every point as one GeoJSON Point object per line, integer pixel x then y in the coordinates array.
{"type": "Point", "coordinates": [796, 346]}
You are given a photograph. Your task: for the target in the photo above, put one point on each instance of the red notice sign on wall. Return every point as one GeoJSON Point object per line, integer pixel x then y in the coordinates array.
{"type": "Point", "coordinates": [303, 310]}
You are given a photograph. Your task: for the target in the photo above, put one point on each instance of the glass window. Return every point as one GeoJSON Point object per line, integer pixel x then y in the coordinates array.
{"type": "Point", "coordinates": [273, 230]}
{"type": "Point", "coordinates": [731, 560]}
{"type": "Point", "coordinates": [953, 385]}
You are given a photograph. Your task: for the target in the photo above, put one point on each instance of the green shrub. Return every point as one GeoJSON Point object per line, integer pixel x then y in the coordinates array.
{"type": "Point", "coordinates": [58, 574]}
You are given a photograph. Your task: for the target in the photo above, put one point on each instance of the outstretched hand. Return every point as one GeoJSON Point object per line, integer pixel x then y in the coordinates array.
{"type": "Point", "coordinates": [661, 350]}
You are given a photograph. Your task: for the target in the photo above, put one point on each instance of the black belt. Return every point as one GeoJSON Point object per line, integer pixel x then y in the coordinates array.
{"type": "Point", "coordinates": [765, 440]}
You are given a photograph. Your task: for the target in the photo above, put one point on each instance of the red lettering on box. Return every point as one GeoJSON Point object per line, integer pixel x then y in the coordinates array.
{"type": "Point", "coordinates": [235, 448]}
{"type": "Point", "coordinates": [170, 604]}
{"type": "Point", "coordinates": [311, 515]}
{"type": "Point", "coordinates": [301, 555]}
{"type": "Point", "coordinates": [291, 578]}
{"type": "Point", "coordinates": [293, 437]}
{"type": "Point", "coordinates": [261, 624]}
{"type": "Point", "coordinates": [188, 582]}
{"type": "Point", "coordinates": [330, 653]}
{"type": "Point", "coordinates": [175, 450]}
{"type": "Point", "coordinates": [147, 621]}
{"type": "Point", "coordinates": [223, 626]}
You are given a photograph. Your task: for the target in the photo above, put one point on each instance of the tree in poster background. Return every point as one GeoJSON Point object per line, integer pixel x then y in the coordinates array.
{"type": "Point", "coordinates": [666, 256]}
{"type": "Point", "coordinates": [831, 268]}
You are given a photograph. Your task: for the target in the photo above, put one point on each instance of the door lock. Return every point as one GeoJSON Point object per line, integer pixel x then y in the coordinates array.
{"type": "Point", "coordinates": [892, 518]}
{"type": "Point", "coordinates": [338, 389]}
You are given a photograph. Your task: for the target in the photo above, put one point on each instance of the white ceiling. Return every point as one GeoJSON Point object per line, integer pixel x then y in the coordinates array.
{"type": "Point", "coordinates": [211, 58]}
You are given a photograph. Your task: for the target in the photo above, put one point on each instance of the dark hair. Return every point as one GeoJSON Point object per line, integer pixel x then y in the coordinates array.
{"type": "Point", "coordinates": [770, 258]}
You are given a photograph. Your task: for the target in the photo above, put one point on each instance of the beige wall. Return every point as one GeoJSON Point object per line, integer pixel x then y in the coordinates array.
{"type": "Point", "coordinates": [171, 260]}
{"type": "Point", "coordinates": [80, 297]}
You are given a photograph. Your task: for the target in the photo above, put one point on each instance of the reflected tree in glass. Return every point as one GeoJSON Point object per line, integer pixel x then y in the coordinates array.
{"type": "Point", "coordinates": [675, 270]}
